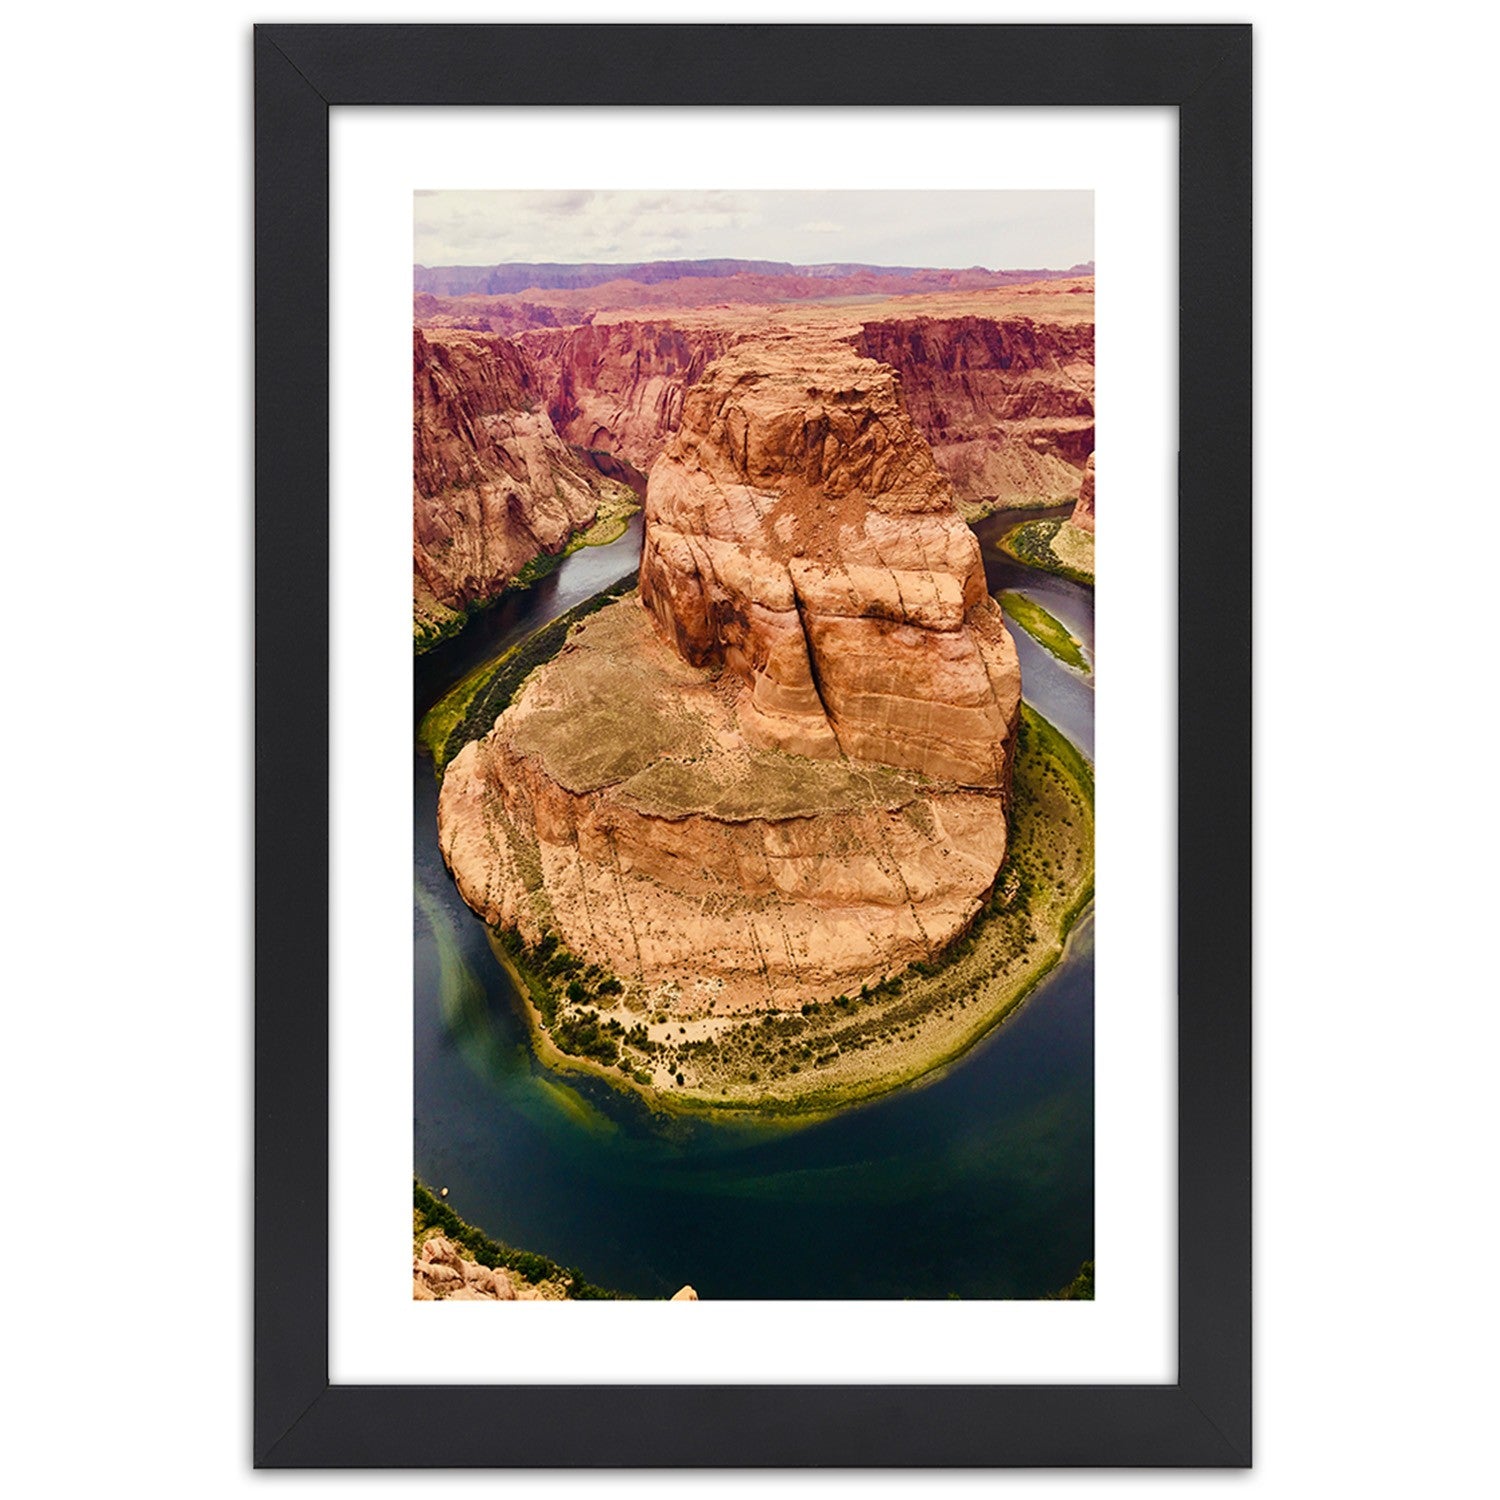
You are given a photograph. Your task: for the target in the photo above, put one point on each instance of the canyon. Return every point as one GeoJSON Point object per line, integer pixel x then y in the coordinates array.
{"type": "Point", "coordinates": [778, 776]}
{"type": "Point", "coordinates": [494, 486]}
{"type": "Point", "coordinates": [999, 378]}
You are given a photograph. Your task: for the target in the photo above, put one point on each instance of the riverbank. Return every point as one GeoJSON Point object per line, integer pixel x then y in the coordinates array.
{"type": "Point", "coordinates": [982, 510]}
{"type": "Point", "coordinates": [1054, 546]}
{"type": "Point", "coordinates": [1045, 629]}
{"type": "Point", "coordinates": [842, 1051]}
{"type": "Point", "coordinates": [469, 708]}
{"type": "Point", "coordinates": [436, 623]}
{"type": "Point", "coordinates": [532, 1277]}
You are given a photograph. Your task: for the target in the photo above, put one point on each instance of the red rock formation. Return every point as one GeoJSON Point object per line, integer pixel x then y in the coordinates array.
{"type": "Point", "coordinates": [1083, 512]}
{"type": "Point", "coordinates": [619, 386]}
{"type": "Point", "coordinates": [786, 776]}
{"type": "Point", "coordinates": [494, 485]}
{"type": "Point", "coordinates": [1007, 404]}
{"type": "Point", "coordinates": [799, 532]}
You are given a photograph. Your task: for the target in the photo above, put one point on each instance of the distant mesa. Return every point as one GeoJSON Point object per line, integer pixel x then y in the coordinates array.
{"type": "Point", "coordinates": [520, 276]}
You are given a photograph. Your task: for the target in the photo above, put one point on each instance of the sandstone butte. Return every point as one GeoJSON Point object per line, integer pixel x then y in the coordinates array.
{"type": "Point", "coordinates": [494, 485]}
{"type": "Point", "coordinates": [781, 771]}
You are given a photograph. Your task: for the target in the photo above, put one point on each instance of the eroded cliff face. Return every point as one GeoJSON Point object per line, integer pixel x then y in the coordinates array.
{"type": "Point", "coordinates": [494, 484]}
{"type": "Point", "coordinates": [1072, 544]}
{"type": "Point", "coordinates": [1083, 511]}
{"type": "Point", "coordinates": [781, 772]}
{"type": "Point", "coordinates": [620, 386]}
{"type": "Point", "coordinates": [1006, 404]}
{"type": "Point", "coordinates": [799, 533]}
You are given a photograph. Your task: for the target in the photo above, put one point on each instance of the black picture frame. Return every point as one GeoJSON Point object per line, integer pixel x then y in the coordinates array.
{"type": "Point", "coordinates": [301, 1420]}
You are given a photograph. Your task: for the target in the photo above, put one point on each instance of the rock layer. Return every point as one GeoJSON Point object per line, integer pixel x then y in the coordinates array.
{"type": "Point", "coordinates": [1007, 404]}
{"type": "Point", "coordinates": [620, 386]}
{"type": "Point", "coordinates": [494, 484]}
{"type": "Point", "coordinates": [1083, 511]}
{"type": "Point", "coordinates": [618, 804]}
{"type": "Point", "coordinates": [787, 775]}
{"type": "Point", "coordinates": [799, 533]}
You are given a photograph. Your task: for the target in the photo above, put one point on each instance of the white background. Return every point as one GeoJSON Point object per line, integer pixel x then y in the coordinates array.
{"type": "Point", "coordinates": [126, 1066]}
{"type": "Point", "coordinates": [377, 1333]}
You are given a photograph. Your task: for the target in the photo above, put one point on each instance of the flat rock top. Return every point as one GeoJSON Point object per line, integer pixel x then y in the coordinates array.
{"type": "Point", "coordinates": [690, 304]}
{"type": "Point", "coordinates": [616, 708]}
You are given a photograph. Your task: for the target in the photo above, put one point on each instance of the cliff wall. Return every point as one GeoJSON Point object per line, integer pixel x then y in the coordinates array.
{"type": "Point", "coordinates": [493, 483]}
{"type": "Point", "coordinates": [1005, 403]}
{"type": "Point", "coordinates": [620, 386]}
{"type": "Point", "coordinates": [1083, 511]}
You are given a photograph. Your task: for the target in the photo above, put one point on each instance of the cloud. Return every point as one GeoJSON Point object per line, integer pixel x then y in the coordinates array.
{"type": "Point", "coordinates": [937, 228]}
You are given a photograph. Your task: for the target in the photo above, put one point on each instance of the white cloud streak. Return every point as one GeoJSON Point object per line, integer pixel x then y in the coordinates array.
{"type": "Point", "coordinates": [1000, 230]}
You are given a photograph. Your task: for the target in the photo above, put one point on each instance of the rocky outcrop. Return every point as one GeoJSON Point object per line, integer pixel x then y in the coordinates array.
{"type": "Point", "coordinates": [1006, 404]}
{"type": "Point", "coordinates": [1072, 545]}
{"type": "Point", "coordinates": [785, 776]}
{"type": "Point", "coordinates": [1083, 511]}
{"type": "Point", "coordinates": [494, 484]}
{"type": "Point", "coordinates": [619, 386]}
{"type": "Point", "coordinates": [440, 1272]}
{"type": "Point", "coordinates": [799, 533]}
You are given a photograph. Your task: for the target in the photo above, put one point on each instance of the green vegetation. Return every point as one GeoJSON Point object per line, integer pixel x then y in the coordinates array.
{"type": "Point", "coordinates": [1079, 1289]}
{"type": "Point", "coordinates": [469, 709]}
{"type": "Point", "coordinates": [1032, 543]}
{"type": "Point", "coordinates": [433, 623]}
{"type": "Point", "coordinates": [608, 525]}
{"type": "Point", "coordinates": [430, 1214]}
{"type": "Point", "coordinates": [1046, 629]}
{"type": "Point", "coordinates": [978, 510]}
{"type": "Point", "coordinates": [566, 995]}
{"type": "Point", "coordinates": [441, 722]}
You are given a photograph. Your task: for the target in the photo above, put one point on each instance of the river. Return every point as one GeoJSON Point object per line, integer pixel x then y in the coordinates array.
{"type": "Point", "coordinates": [976, 1183]}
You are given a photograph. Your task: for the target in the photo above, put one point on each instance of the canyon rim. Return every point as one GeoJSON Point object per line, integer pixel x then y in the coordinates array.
{"type": "Point", "coordinates": [753, 623]}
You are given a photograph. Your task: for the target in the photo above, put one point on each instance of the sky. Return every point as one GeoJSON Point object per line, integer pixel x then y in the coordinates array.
{"type": "Point", "coordinates": [952, 229]}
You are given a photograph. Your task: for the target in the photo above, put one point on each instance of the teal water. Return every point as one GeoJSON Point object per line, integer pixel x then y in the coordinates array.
{"type": "Point", "coordinates": [977, 1182]}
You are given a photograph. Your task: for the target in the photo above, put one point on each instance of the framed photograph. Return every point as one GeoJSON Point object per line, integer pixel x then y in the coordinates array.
{"type": "Point", "coordinates": [732, 829]}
